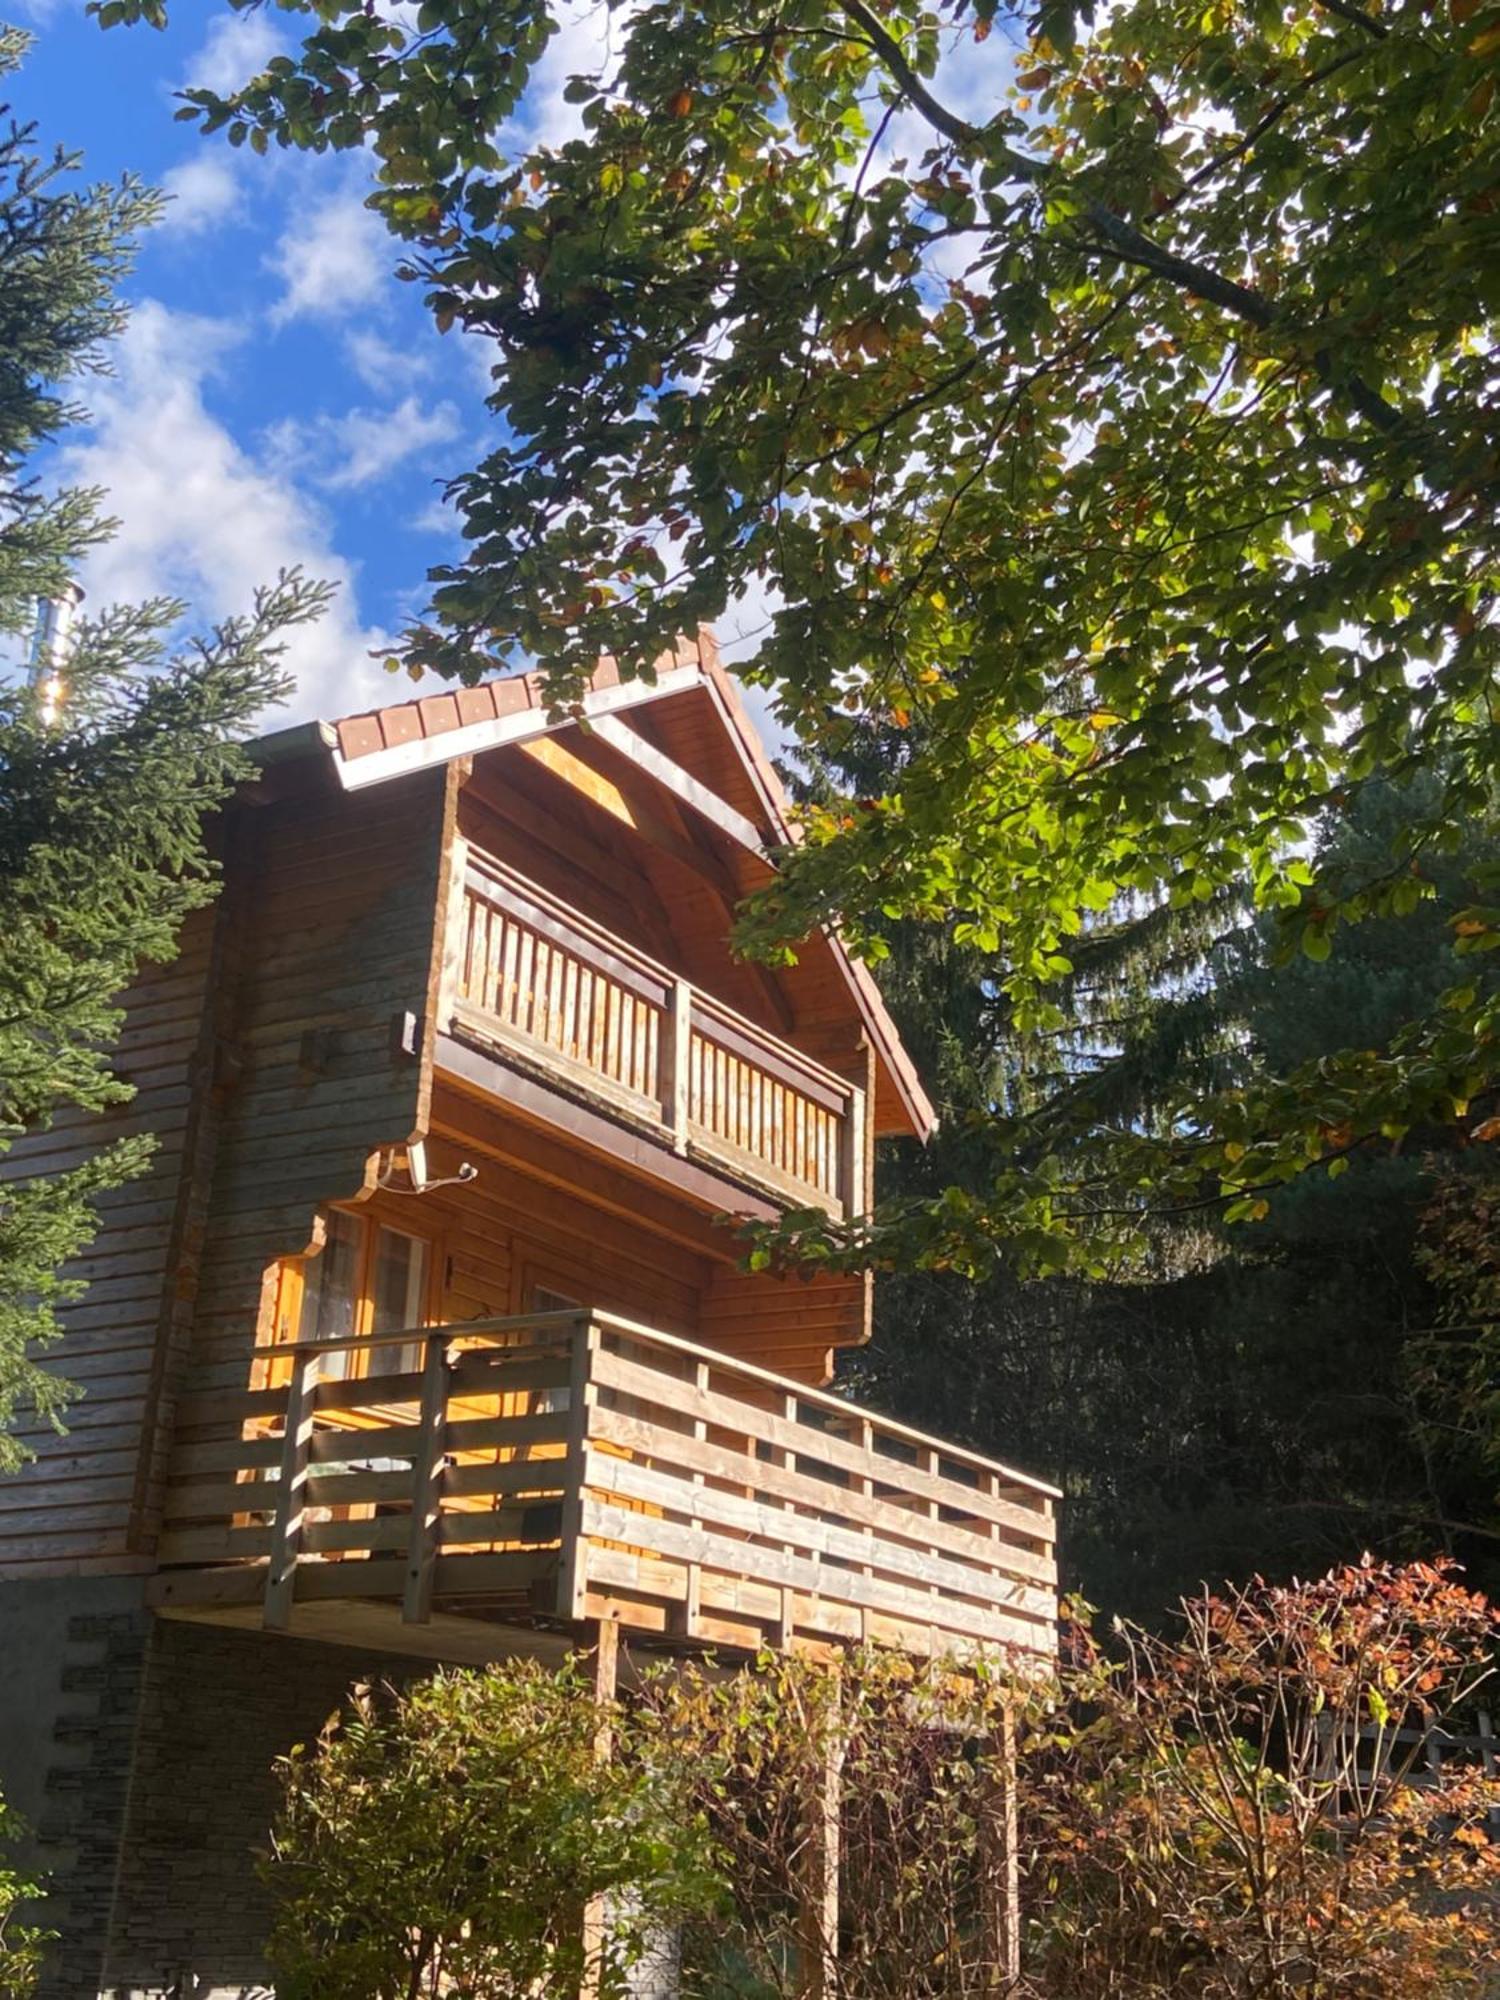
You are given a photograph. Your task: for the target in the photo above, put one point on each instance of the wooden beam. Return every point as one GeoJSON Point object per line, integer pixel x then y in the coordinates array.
{"type": "Point", "coordinates": [427, 1486]}
{"type": "Point", "coordinates": [286, 1528]}
{"type": "Point", "coordinates": [605, 1672]}
{"type": "Point", "coordinates": [489, 1076]}
{"type": "Point", "coordinates": [690, 849]}
{"type": "Point", "coordinates": [682, 784]}
{"type": "Point", "coordinates": [568, 763]}
{"type": "Point", "coordinates": [818, 1883]}
{"type": "Point", "coordinates": [999, 1878]}
{"type": "Point", "coordinates": [603, 778]}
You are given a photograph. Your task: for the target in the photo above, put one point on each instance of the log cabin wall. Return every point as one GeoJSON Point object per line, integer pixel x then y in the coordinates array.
{"type": "Point", "coordinates": [541, 1214]}
{"type": "Point", "coordinates": [72, 1508]}
{"type": "Point", "coordinates": [266, 1063]}
{"type": "Point", "coordinates": [346, 911]}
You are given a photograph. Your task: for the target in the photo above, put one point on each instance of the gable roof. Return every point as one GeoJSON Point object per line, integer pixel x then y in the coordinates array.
{"type": "Point", "coordinates": [700, 741]}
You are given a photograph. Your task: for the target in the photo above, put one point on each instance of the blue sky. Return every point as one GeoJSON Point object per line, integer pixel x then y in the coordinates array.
{"type": "Point", "coordinates": [279, 396]}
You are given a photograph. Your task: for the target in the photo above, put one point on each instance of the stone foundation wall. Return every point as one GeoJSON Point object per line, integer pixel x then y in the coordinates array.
{"type": "Point", "coordinates": [141, 1752]}
{"type": "Point", "coordinates": [72, 1651]}
{"type": "Point", "coordinates": [218, 1707]}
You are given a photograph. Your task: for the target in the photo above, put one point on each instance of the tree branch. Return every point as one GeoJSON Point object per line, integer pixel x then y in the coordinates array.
{"type": "Point", "coordinates": [1121, 238]}
{"type": "Point", "coordinates": [1346, 12]}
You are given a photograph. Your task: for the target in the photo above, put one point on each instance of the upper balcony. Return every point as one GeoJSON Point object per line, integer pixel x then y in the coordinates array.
{"type": "Point", "coordinates": [470, 1489]}
{"type": "Point", "coordinates": [553, 995]}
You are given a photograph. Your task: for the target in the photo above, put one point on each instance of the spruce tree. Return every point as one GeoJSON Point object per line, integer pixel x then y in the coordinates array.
{"type": "Point", "coordinates": [110, 756]}
{"type": "Point", "coordinates": [1269, 1397]}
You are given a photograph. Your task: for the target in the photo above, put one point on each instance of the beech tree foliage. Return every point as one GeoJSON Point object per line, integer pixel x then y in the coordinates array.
{"type": "Point", "coordinates": [109, 758]}
{"type": "Point", "coordinates": [1125, 441]}
{"type": "Point", "coordinates": [1242, 1399]}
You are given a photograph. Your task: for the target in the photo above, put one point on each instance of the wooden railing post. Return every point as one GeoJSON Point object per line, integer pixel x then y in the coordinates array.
{"type": "Point", "coordinates": [605, 1677]}
{"type": "Point", "coordinates": [572, 1576]}
{"type": "Point", "coordinates": [286, 1527]}
{"type": "Point", "coordinates": [683, 1619]}
{"type": "Point", "coordinates": [427, 1485]}
{"type": "Point", "coordinates": [1000, 1871]}
{"type": "Point", "coordinates": [852, 1161]}
{"type": "Point", "coordinates": [672, 1063]}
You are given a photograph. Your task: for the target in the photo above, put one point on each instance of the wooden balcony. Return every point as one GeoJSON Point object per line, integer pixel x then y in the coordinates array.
{"type": "Point", "coordinates": [565, 1000]}
{"type": "Point", "coordinates": [546, 1471]}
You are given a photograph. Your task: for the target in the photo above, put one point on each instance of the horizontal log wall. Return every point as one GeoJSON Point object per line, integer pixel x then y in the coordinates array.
{"type": "Point", "coordinates": [266, 1064]}
{"type": "Point", "coordinates": [75, 1506]}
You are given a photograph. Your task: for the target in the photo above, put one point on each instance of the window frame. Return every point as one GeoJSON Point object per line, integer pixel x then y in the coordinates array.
{"type": "Point", "coordinates": [290, 1292]}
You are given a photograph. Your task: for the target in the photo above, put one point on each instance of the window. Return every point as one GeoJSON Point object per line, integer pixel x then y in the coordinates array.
{"type": "Point", "coordinates": [367, 1278]}
{"type": "Point", "coordinates": [398, 1297]}
{"type": "Point", "coordinates": [544, 1298]}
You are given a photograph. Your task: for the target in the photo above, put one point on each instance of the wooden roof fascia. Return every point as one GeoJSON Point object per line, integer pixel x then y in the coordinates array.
{"type": "Point", "coordinates": [468, 739]}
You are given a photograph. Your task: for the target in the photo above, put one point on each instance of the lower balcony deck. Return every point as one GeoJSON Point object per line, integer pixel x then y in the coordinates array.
{"type": "Point", "coordinates": [470, 1490]}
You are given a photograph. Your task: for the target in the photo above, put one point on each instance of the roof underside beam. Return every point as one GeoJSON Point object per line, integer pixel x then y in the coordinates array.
{"type": "Point", "coordinates": [673, 778]}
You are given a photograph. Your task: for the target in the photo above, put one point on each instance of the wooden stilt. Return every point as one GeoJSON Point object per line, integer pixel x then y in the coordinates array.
{"type": "Point", "coordinates": [606, 1673]}
{"type": "Point", "coordinates": [1000, 1878]}
{"type": "Point", "coordinates": [818, 1888]}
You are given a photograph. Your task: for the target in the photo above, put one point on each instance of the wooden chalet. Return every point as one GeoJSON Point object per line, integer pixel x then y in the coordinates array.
{"type": "Point", "coordinates": [428, 1334]}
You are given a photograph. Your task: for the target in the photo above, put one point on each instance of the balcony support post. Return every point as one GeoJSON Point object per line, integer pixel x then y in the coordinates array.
{"type": "Point", "coordinates": [852, 1164]}
{"type": "Point", "coordinates": [291, 1497]}
{"type": "Point", "coordinates": [1000, 1891]}
{"type": "Point", "coordinates": [818, 1887]}
{"type": "Point", "coordinates": [427, 1486]}
{"type": "Point", "coordinates": [604, 1675]}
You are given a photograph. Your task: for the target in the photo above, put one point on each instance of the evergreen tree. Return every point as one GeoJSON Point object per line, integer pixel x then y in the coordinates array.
{"type": "Point", "coordinates": [110, 757]}
{"type": "Point", "coordinates": [1264, 1398]}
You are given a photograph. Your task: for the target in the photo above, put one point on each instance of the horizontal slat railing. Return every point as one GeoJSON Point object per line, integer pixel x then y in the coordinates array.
{"type": "Point", "coordinates": [587, 1007]}
{"type": "Point", "coordinates": [580, 1466]}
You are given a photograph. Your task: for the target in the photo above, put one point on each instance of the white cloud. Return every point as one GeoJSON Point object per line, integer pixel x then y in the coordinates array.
{"type": "Point", "coordinates": [333, 260]}
{"type": "Point", "coordinates": [204, 191]}
{"type": "Point", "coordinates": [438, 517]}
{"type": "Point", "coordinates": [361, 447]}
{"type": "Point", "coordinates": [236, 47]}
{"type": "Point", "coordinates": [380, 364]}
{"type": "Point", "coordinates": [204, 520]}
{"type": "Point", "coordinates": [581, 45]}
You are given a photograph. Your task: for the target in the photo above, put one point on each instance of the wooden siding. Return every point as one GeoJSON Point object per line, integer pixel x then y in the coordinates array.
{"type": "Point", "coordinates": [74, 1506]}
{"type": "Point", "coordinates": [266, 1063]}
{"type": "Point", "coordinates": [587, 1228]}
{"type": "Point", "coordinates": [793, 1326]}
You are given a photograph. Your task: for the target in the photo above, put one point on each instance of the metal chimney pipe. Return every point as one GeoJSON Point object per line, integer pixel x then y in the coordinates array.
{"type": "Point", "coordinates": [51, 648]}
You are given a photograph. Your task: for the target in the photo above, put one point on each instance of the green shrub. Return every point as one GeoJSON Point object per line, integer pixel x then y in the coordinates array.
{"type": "Point", "coordinates": [450, 1838]}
